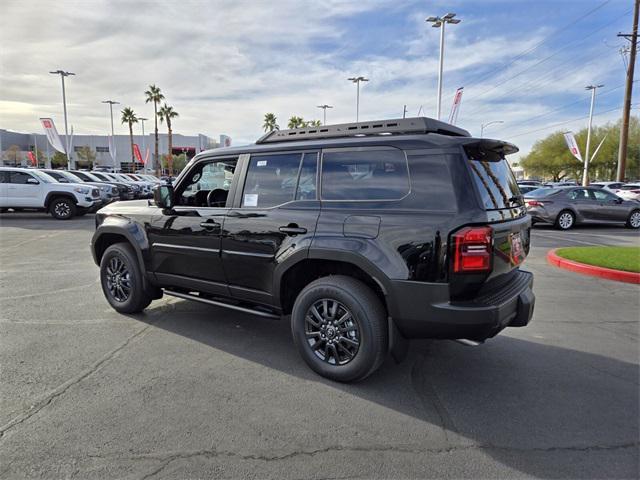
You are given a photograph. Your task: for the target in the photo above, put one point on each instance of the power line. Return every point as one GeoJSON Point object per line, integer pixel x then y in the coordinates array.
{"type": "Point", "coordinates": [561, 123]}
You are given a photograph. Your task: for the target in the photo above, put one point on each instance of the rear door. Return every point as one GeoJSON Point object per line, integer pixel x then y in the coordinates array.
{"type": "Point", "coordinates": [583, 203]}
{"type": "Point", "coordinates": [504, 205]}
{"type": "Point", "coordinates": [273, 218]}
{"type": "Point", "coordinates": [608, 207]}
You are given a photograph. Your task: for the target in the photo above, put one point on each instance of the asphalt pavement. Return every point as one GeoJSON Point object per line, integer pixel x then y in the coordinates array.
{"type": "Point", "coordinates": [191, 391]}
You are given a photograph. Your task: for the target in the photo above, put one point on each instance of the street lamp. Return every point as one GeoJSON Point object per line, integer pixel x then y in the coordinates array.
{"type": "Point", "coordinates": [144, 140]}
{"type": "Point", "coordinates": [113, 140]}
{"type": "Point", "coordinates": [485, 125]}
{"type": "Point", "coordinates": [357, 81]}
{"type": "Point", "coordinates": [63, 74]}
{"type": "Point", "coordinates": [439, 22]}
{"type": "Point", "coordinates": [324, 112]}
{"type": "Point", "coordinates": [585, 172]}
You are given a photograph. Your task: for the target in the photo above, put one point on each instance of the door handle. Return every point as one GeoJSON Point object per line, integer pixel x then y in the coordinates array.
{"type": "Point", "coordinates": [293, 230]}
{"type": "Point", "coordinates": [209, 225]}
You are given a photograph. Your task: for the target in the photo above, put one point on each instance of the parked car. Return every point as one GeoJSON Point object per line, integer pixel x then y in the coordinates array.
{"type": "Point", "coordinates": [367, 234]}
{"type": "Point", "coordinates": [629, 191]}
{"type": "Point", "coordinates": [611, 186]}
{"type": "Point", "coordinates": [125, 192]}
{"type": "Point", "coordinates": [113, 177]}
{"type": "Point", "coordinates": [565, 207]}
{"type": "Point", "coordinates": [30, 189]}
{"type": "Point", "coordinates": [108, 193]}
{"type": "Point", "coordinates": [524, 189]}
{"type": "Point", "coordinates": [144, 183]}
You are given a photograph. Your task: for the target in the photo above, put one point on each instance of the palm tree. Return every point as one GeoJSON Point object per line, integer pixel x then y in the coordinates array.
{"type": "Point", "coordinates": [313, 123]}
{"type": "Point", "coordinates": [270, 122]}
{"type": "Point", "coordinates": [167, 113]}
{"type": "Point", "coordinates": [129, 116]}
{"type": "Point", "coordinates": [155, 95]}
{"type": "Point", "coordinates": [296, 122]}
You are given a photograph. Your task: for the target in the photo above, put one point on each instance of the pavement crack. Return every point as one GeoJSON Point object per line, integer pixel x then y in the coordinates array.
{"type": "Point", "coordinates": [63, 388]}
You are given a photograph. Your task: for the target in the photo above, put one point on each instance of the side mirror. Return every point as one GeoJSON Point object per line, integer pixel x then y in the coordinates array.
{"type": "Point", "coordinates": [163, 196]}
{"type": "Point", "coordinates": [619, 200]}
{"type": "Point", "coordinates": [33, 181]}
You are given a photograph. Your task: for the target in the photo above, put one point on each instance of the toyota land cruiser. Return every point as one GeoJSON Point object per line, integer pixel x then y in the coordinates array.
{"type": "Point", "coordinates": [366, 234]}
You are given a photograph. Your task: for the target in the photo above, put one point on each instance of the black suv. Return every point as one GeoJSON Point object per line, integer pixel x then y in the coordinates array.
{"type": "Point", "coordinates": [367, 234]}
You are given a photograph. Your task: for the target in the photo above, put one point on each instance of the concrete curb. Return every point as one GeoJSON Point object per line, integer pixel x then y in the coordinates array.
{"type": "Point", "coordinates": [592, 270]}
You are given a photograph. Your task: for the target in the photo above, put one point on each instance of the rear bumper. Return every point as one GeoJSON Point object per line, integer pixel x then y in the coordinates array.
{"type": "Point", "coordinates": [419, 312]}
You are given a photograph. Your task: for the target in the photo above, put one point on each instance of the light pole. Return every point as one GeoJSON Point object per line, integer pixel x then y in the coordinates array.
{"type": "Point", "coordinates": [113, 140]}
{"type": "Point", "coordinates": [63, 74]}
{"type": "Point", "coordinates": [485, 125]}
{"type": "Point", "coordinates": [324, 112]}
{"type": "Point", "coordinates": [439, 22]}
{"type": "Point", "coordinates": [357, 81]}
{"type": "Point", "coordinates": [585, 173]}
{"type": "Point", "coordinates": [144, 140]}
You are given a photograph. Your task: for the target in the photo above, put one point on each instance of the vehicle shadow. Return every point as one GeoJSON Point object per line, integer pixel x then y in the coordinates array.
{"type": "Point", "coordinates": [544, 410]}
{"type": "Point", "coordinates": [44, 221]}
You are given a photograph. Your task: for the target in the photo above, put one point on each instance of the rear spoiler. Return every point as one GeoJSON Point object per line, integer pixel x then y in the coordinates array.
{"type": "Point", "coordinates": [487, 150]}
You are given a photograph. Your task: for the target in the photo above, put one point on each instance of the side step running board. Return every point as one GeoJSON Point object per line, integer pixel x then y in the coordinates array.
{"type": "Point", "coordinates": [188, 296]}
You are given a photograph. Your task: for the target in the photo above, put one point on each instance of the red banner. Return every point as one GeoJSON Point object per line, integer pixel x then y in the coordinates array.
{"type": "Point", "coordinates": [136, 152]}
{"type": "Point", "coordinates": [32, 158]}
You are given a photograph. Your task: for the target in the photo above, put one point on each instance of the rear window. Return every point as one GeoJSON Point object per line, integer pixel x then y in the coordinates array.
{"type": "Point", "coordinates": [496, 184]}
{"type": "Point", "coordinates": [366, 174]}
{"type": "Point", "coordinates": [544, 192]}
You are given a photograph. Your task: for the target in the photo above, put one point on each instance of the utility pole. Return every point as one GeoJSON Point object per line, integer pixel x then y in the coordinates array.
{"type": "Point", "coordinates": [626, 108]}
{"type": "Point", "coordinates": [324, 112]}
{"type": "Point", "coordinates": [144, 140]}
{"type": "Point", "coordinates": [404, 112]}
{"type": "Point", "coordinates": [439, 22]}
{"type": "Point", "coordinates": [357, 81]}
{"type": "Point", "coordinates": [113, 138]}
{"type": "Point", "coordinates": [585, 173]}
{"type": "Point", "coordinates": [67, 140]}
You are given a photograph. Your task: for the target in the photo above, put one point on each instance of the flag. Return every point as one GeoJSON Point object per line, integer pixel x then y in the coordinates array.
{"type": "Point", "coordinates": [33, 159]}
{"type": "Point", "coordinates": [146, 157]}
{"type": "Point", "coordinates": [52, 134]}
{"type": "Point", "coordinates": [457, 100]}
{"type": "Point", "coordinates": [573, 145]}
{"type": "Point", "coordinates": [136, 152]}
{"type": "Point", "coordinates": [112, 148]}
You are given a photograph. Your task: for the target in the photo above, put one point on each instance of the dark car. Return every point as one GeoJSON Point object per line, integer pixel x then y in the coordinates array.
{"type": "Point", "coordinates": [565, 207]}
{"type": "Point", "coordinates": [367, 234]}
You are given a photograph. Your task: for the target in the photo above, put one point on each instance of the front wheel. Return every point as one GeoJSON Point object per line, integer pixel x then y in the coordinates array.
{"type": "Point", "coordinates": [565, 220]}
{"type": "Point", "coordinates": [339, 328]}
{"type": "Point", "coordinates": [62, 208]}
{"type": "Point", "coordinates": [121, 279]}
{"type": "Point", "coordinates": [634, 220]}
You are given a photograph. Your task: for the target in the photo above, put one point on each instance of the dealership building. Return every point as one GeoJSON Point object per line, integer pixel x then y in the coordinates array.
{"type": "Point", "coordinates": [15, 148]}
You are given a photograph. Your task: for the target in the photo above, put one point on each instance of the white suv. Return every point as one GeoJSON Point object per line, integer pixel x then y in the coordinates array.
{"type": "Point", "coordinates": [26, 189]}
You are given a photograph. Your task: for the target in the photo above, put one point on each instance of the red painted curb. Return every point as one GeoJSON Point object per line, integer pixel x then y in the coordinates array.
{"type": "Point", "coordinates": [602, 272]}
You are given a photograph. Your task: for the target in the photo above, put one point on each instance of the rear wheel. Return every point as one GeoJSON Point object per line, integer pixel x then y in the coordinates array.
{"type": "Point", "coordinates": [339, 328]}
{"type": "Point", "coordinates": [634, 219]}
{"type": "Point", "coordinates": [121, 279]}
{"type": "Point", "coordinates": [565, 220]}
{"type": "Point", "coordinates": [62, 208]}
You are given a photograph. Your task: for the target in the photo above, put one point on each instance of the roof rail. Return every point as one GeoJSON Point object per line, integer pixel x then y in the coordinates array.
{"type": "Point", "coordinates": [379, 127]}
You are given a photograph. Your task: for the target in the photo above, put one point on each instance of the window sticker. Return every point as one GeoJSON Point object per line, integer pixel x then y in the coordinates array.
{"type": "Point", "coordinates": [250, 199]}
{"type": "Point", "coordinates": [261, 163]}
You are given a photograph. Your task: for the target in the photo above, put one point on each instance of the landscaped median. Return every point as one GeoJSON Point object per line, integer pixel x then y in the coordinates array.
{"type": "Point", "coordinates": [613, 263]}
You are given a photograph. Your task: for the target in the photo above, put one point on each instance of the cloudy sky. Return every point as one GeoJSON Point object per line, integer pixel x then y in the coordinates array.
{"type": "Point", "coordinates": [223, 64]}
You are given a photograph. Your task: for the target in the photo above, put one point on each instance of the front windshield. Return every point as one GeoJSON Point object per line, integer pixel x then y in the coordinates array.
{"type": "Point", "coordinates": [72, 177]}
{"type": "Point", "coordinates": [43, 176]}
{"type": "Point", "coordinates": [90, 176]}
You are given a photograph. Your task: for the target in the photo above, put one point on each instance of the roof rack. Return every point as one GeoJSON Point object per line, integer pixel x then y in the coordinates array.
{"type": "Point", "coordinates": [380, 127]}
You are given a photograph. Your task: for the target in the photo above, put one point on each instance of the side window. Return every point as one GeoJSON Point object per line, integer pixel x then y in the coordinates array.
{"type": "Point", "coordinates": [208, 184]}
{"type": "Point", "coordinates": [364, 175]}
{"type": "Point", "coordinates": [307, 180]}
{"type": "Point", "coordinates": [602, 195]}
{"type": "Point", "coordinates": [578, 194]}
{"type": "Point", "coordinates": [4, 177]}
{"type": "Point", "coordinates": [272, 180]}
{"type": "Point", "coordinates": [19, 177]}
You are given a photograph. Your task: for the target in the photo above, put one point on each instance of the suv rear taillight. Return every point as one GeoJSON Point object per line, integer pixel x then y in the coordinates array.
{"type": "Point", "coordinates": [472, 250]}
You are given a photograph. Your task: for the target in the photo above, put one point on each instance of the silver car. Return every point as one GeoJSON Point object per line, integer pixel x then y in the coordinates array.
{"type": "Point", "coordinates": [564, 207]}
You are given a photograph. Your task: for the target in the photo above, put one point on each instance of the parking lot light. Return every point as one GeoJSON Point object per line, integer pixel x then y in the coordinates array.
{"type": "Point", "coordinates": [63, 74]}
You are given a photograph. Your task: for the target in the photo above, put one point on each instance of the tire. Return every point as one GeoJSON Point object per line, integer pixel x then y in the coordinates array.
{"type": "Point", "coordinates": [358, 344]}
{"type": "Point", "coordinates": [62, 208]}
{"type": "Point", "coordinates": [121, 279]}
{"type": "Point", "coordinates": [565, 220]}
{"type": "Point", "coordinates": [634, 220]}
